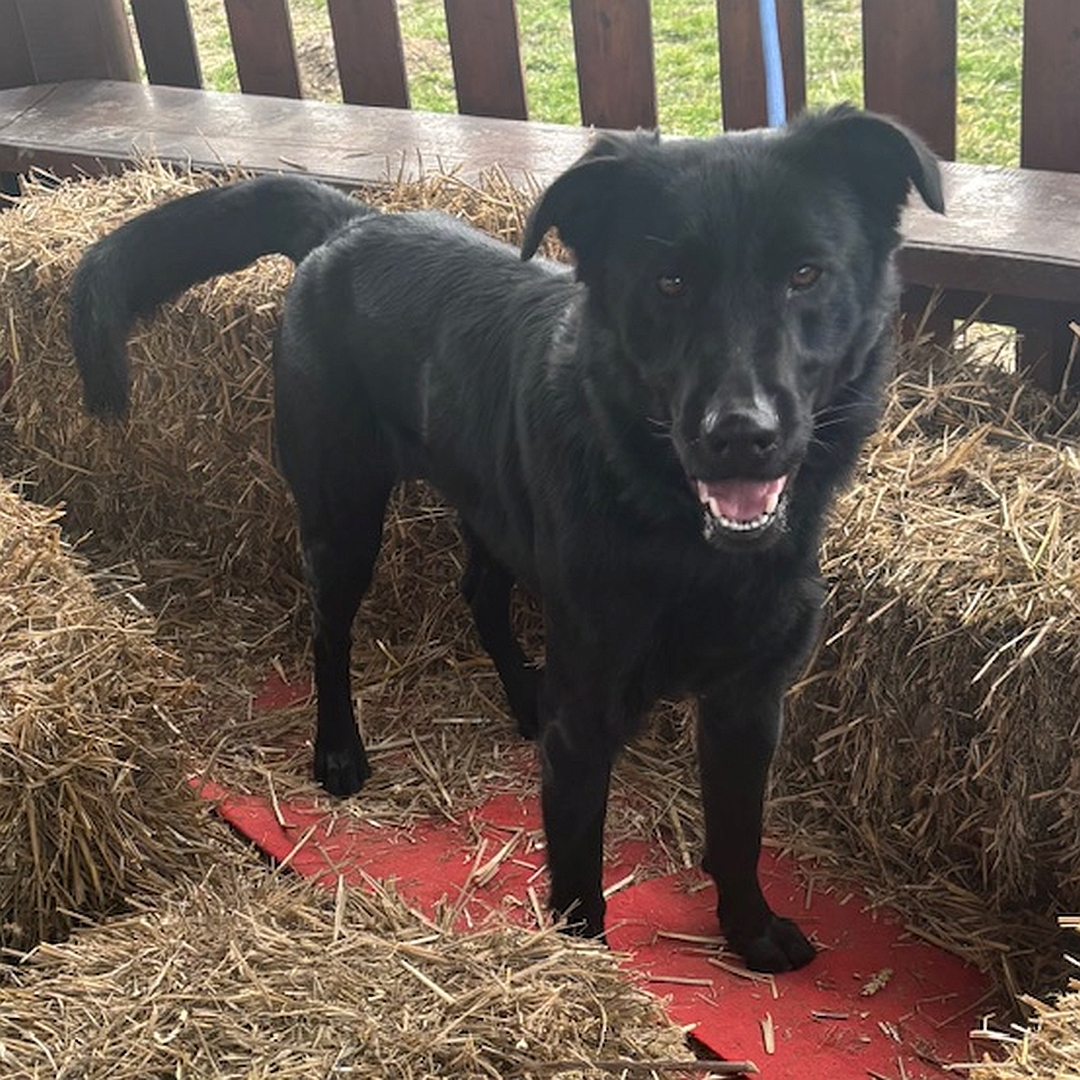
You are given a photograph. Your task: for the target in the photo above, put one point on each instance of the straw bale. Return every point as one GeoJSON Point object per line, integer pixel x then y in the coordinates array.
{"type": "Point", "coordinates": [93, 807]}
{"type": "Point", "coordinates": [187, 495]}
{"type": "Point", "coordinates": [934, 738]}
{"type": "Point", "coordinates": [190, 478]}
{"type": "Point", "coordinates": [253, 975]}
{"type": "Point", "coordinates": [1047, 1049]}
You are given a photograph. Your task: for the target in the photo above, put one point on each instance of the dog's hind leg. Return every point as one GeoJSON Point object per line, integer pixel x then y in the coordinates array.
{"type": "Point", "coordinates": [486, 586]}
{"type": "Point", "coordinates": [339, 556]}
{"type": "Point", "coordinates": [341, 476]}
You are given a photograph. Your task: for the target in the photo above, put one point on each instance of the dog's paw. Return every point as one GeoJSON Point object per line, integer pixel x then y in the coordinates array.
{"type": "Point", "coordinates": [342, 771]}
{"type": "Point", "coordinates": [585, 928]}
{"type": "Point", "coordinates": [581, 929]}
{"type": "Point", "coordinates": [781, 947]}
{"type": "Point", "coordinates": [581, 918]}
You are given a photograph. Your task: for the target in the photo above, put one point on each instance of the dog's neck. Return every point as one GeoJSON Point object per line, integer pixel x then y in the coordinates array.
{"type": "Point", "coordinates": [632, 465]}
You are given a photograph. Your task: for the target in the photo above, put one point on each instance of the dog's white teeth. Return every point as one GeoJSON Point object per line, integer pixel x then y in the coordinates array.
{"type": "Point", "coordinates": [746, 526]}
{"type": "Point", "coordinates": [771, 504]}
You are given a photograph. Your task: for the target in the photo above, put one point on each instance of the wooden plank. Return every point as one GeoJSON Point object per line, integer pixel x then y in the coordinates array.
{"type": "Point", "coordinates": [16, 68]}
{"type": "Point", "coordinates": [1009, 232]}
{"type": "Point", "coordinates": [370, 54]}
{"type": "Point", "coordinates": [262, 43]}
{"type": "Point", "coordinates": [614, 51]}
{"type": "Point", "coordinates": [167, 41]}
{"type": "Point", "coordinates": [102, 125]}
{"type": "Point", "coordinates": [1050, 122]}
{"type": "Point", "coordinates": [486, 58]}
{"type": "Point", "coordinates": [77, 39]}
{"type": "Point", "coordinates": [16, 102]}
{"type": "Point", "coordinates": [742, 69]}
{"type": "Point", "coordinates": [909, 65]}
{"type": "Point", "coordinates": [1006, 232]}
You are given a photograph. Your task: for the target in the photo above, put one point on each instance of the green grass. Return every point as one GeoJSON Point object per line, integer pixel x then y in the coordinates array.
{"type": "Point", "coordinates": [988, 77]}
{"type": "Point", "coordinates": [687, 67]}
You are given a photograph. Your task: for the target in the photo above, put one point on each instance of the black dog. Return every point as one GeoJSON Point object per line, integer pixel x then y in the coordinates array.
{"type": "Point", "coordinates": [650, 444]}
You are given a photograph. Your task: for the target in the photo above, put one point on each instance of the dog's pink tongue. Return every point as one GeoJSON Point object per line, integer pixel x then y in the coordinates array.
{"type": "Point", "coordinates": [741, 500]}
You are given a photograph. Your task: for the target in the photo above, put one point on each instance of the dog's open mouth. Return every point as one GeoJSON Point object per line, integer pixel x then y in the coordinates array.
{"type": "Point", "coordinates": [742, 506]}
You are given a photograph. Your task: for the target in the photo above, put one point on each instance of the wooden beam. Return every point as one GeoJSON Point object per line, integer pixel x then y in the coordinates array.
{"type": "Point", "coordinates": [742, 69]}
{"type": "Point", "coordinates": [16, 68]}
{"type": "Point", "coordinates": [77, 39]}
{"type": "Point", "coordinates": [370, 54]}
{"type": "Point", "coordinates": [486, 58]}
{"type": "Point", "coordinates": [262, 43]}
{"type": "Point", "coordinates": [614, 50]}
{"type": "Point", "coordinates": [168, 44]}
{"type": "Point", "coordinates": [1050, 121]}
{"type": "Point", "coordinates": [909, 64]}
{"type": "Point", "coordinates": [99, 126]}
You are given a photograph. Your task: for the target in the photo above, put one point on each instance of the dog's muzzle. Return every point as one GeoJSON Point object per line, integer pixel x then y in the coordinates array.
{"type": "Point", "coordinates": [741, 509]}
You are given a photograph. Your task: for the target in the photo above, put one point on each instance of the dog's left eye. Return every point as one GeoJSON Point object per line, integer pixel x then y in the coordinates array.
{"type": "Point", "coordinates": [671, 285]}
{"type": "Point", "coordinates": [803, 277]}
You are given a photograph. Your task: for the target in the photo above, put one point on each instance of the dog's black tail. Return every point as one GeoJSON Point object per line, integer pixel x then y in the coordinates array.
{"type": "Point", "coordinates": [163, 251]}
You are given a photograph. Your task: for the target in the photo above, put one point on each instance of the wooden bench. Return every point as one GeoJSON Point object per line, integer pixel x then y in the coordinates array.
{"type": "Point", "coordinates": [1009, 246]}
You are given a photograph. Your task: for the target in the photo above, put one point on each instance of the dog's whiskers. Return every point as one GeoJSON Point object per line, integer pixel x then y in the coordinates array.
{"type": "Point", "coordinates": [856, 402]}
{"type": "Point", "coordinates": [833, 421]}
{"type": "Point", "coordinates": [838, 414]}
{"type": "Point", "coordinates": [661, 429]}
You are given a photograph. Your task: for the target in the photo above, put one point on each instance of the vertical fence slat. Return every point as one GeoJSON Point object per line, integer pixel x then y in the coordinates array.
{"type": "Point", "coordinates": [263, 46]}
{"type": "Point", "coordinates": [614, 51]}
{"type": "Point", "coordinates": [909, 66]}
{"type": "Point", "coordinates": [486, 58]}
{"type": "Point", "coordinates": [168, 42]}
{"type": "Point", "coordinates": [1050, 117]}
{"type": "Point", "coordinates": [16, 68]}
{"type": "Point", "coordinates": [77, 39]}
{"type": "Point", "coordinates": [370, 55]}
{"type": "Point", "coordinates": [742, 69]}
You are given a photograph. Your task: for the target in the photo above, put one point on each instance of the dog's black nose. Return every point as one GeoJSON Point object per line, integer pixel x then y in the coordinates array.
{"type": "Point", "coordinates": [740, 436]}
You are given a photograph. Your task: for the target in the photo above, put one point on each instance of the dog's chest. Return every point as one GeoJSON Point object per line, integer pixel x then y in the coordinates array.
{"type": "Point", "coordinates": [715, 624]}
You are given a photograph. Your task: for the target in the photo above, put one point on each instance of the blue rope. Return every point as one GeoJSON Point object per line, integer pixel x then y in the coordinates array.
{"type": "Point", "coordinates": [776, 107]}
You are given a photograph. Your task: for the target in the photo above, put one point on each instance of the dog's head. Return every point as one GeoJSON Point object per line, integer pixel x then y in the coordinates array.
{"type": "Point", "coordinates": [748, 282]}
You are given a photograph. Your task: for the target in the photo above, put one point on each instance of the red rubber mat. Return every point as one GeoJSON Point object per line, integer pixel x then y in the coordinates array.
{"type": "Point", "coordinates": [877, 1002]}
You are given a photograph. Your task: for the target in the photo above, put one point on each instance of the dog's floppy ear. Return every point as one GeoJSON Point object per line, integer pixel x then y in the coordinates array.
{"type": "Point", "coordinates": [878, 156]}
{"type": "Point", "coordinates": [574, 203]}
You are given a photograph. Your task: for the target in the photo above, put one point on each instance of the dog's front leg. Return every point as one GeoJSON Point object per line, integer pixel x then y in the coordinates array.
{"type": "Point", "coordinates": [735, 747]}
{"type": "Point", "coordinates": [576, 772]}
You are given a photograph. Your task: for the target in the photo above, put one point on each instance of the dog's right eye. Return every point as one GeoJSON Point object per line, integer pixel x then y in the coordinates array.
{"type": "Point", "coordinates": [803, 277]}
{"type": "Point", "coordinates": [671, 285]}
